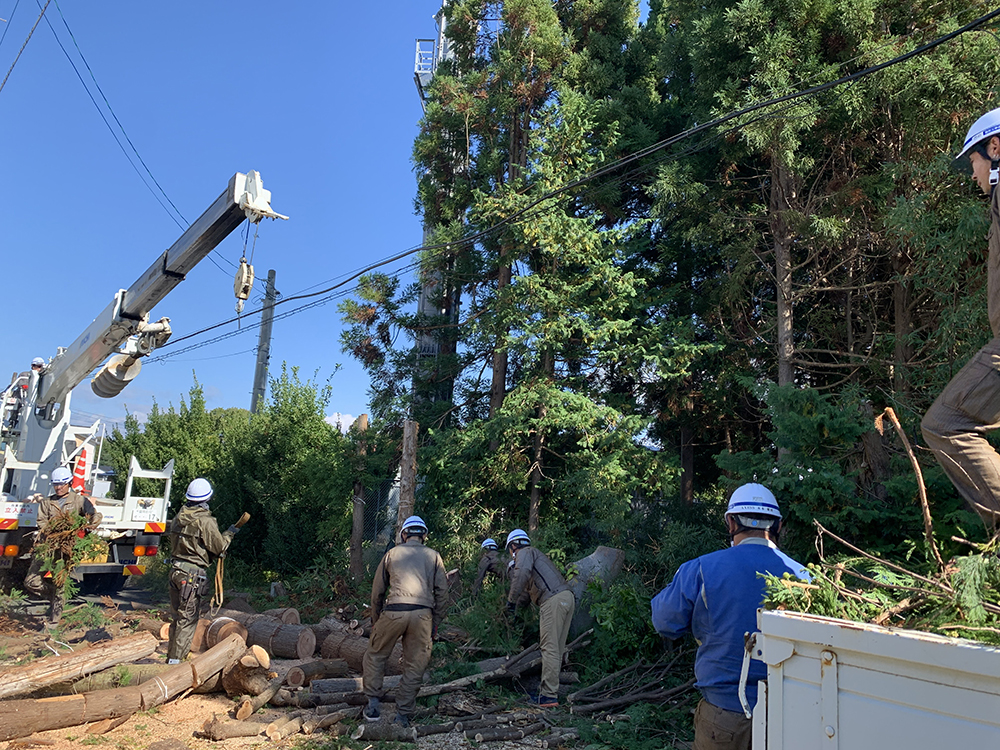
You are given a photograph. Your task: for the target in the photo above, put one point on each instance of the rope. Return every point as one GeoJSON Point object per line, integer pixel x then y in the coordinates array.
{"type": "Point", "coordinates": [216, 604]}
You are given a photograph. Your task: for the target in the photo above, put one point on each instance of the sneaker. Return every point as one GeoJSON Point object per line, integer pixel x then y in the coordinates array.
{"type": "Point", "coordinates": [372, 712]}
{"type": "Point", "coordinates": [401, 720]}
{"type": "Point", "coordinates": [543, 701]}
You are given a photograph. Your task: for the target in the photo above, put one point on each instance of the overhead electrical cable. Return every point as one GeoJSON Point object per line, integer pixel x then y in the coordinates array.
{"type": "Point", "coordinates": [608, 169]}
{"type": "Point", "coordinates": [10, 20]}
{"type": "Point", "coordinates": [27, 39]}
{"type": "Point", "coordinates": [112, 111]}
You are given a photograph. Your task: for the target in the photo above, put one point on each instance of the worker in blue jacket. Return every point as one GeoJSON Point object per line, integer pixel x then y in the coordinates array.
{"type": "Point", "coordinates": [715, 597]}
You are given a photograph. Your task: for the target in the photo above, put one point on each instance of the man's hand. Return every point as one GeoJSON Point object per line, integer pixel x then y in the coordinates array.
{"type": "Point", "coordinates": [234, 529]}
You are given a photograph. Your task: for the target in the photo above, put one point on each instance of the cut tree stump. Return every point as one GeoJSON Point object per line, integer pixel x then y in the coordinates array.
{"type": "Point", "coordinates": [21, 718]}
{"type": "Point", "coordinates": [250, 675]}
{"type": "Point", "coordinates": [66, 667]}
{"type": "Point", "coordinates": [315, 670]}
{"type": "Point", "coordinates": [288, 615]}
{"type": "Point", "coordinates": [219, 729]}
{"type": "Point", "coordinates": [221, 628]}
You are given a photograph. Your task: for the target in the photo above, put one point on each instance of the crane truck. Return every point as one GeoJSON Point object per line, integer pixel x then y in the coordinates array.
{"type": "Point", "coordinates": [36, 435]}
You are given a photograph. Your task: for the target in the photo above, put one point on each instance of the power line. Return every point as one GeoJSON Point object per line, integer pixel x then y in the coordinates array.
{"type": "Point", "coordinates": [10, 20]}
{"type": "Point", "coordinates": [4, 83]}
{"type": "Point", "coordinates": [523, 213]}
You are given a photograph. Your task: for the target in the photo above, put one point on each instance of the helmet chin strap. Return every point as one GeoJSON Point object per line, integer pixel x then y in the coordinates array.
{"type": "Point", "coordinates": [994, 173]}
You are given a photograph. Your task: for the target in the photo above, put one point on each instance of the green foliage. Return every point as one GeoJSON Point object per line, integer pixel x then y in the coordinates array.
{"type": "Point", "coordinates": [624, 631]}
{"type": "Point", "coordinates": [13, 601]}
{"type": "Point", "coordinates": [87, 616]}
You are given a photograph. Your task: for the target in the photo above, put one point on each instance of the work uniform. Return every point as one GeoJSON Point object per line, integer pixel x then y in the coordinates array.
{"type": "Point", "coordinates": [195, 541]}
{"type": "Point", "coordinates": [715, 597]}
{"type": "Point", "coordinates": [535, 574]}
{"type": "Point", "coordinates": [956, 425]}
{"type": "Point", "coordinates": [488, 563]}
{"type": "Point", "coordinates": [49, 508]}
{"type": "Point", "coordinates": [409, 598]}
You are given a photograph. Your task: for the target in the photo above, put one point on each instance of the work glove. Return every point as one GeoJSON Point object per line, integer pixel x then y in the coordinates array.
{"type": "Point", "coordinates": [511, 608]}
{"type": "Point", "coordinates": [234, 529]}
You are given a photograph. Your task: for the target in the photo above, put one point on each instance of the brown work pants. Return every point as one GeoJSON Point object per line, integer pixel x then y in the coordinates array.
{"type": "Point", "coordinates": [955, 428]}
{"type": "Point", "coordinates": [35, 583]}
{"type": "Point", "coordinates": [415, 627]}
{"type": "Point", "coordinates": [554, 619]}
{"type": "Point", "coordinates": [718, 729]}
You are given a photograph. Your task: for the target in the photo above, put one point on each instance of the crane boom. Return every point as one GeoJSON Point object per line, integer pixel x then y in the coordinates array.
{"type": "Point", "coordinates": [128, 312]}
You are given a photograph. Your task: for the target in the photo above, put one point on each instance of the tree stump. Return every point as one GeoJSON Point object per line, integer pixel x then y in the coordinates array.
{"type": "Point", "coordinates": [250, 674]}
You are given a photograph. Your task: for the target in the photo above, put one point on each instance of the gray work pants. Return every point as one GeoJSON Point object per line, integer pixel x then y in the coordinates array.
{"type": "Point", "coordinates": [955, 428]}
{"type": "Point", "coordinates": [554, 619]}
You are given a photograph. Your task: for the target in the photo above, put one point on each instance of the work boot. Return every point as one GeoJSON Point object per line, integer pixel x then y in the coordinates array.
{"type": "Point", "coordinates": [372, 712]}
{"type": "Point", "coordinates": [401, 720]}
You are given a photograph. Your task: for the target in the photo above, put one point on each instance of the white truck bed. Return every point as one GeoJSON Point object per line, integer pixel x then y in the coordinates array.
{"type": "Point", "coordinates": [841, 685]}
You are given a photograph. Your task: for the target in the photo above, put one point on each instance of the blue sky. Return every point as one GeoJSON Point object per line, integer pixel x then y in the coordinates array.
{"type": "Point", "coordinates": [317, 97]}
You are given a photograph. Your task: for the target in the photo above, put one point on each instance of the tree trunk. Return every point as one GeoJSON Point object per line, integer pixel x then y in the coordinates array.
{"type": "Point", "coordinates": [20, 718]}
{"type": "Point", "coordinates": [250, 674]}
{"type": "Point", "coordinates": [157, 627]}
{"type": "Point", "coordinates": [288, 615]}
{"type": "Point", "coordinates": [357, 566]}
{"type": "Point", "coordinates": [347, 685]}
{"type": "Point", "coordinates": [498, 386]}
{"type": "Point", "coordinates": [288, 641]}
{"type": "Point", "coordinates": [66, 667]}
{"type": "Point", "coordinates": [407, 474]}
{"type": "Point", "coordinates": [323, 720]}
{"type": "Point", "coordinates": [387, 732]}
{"type": "Point", "coordinates": [249, 707]}
{"type": "Point", "coordinates": [504, 733]}
{"type": "Point", "coordinates": [221, 628]}
{"type": "Point", "coordinates": [687, 465]}
{"type": "Point", "coordinates": [351, 648]}
{"type": "Point", "coordinates": [328, 625]}
{"type": "Point", "coordinates": [782, 191]}
{"type": "Point", "coordinates": [315, 670]}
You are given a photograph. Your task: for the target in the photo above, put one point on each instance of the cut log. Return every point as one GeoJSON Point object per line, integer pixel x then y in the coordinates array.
{"type": "Point", "coordinates": [284, 726]}
{"type": "Point", "coordinates": [505, 733]}
{"type": "Point", "coordinates": [315, 670]}
{"type": "Point", "coordinates": [67, 667]}
{"type": "Point", "coordinates": [559, 736]}
{"type": "Point", "coordinates": [249, 707]}
{"type": "Point", "coordinates": [351, 648]}
{"type": "Point", "coordinates": [250, 674]}
{"type": "Point", "coordinates": [490, 721]}
{"type": "Point", "coordinates": [327, 625]}
{"type": "Point", "coordinates": [221, 628]}
{"type": "Point", "coordinates": [115, 677]}
{"type": "Point", "coordinates": [157, 627]}
{"type": "Point", "coordinates": [425, 729]}
{"type": "Point", "coordinates": [21, 718]}
{"type": "Point", "coordinates": [289, 641]}
{"type": "Point", "coordinates": [328, 720]}
{"type": "Point", "coordinates": [219, 729]}
{"type": "Point", "coordinates": [198, 641]}
{"type": "Point", "coordinates": [389, 732]}
{"type": "Point", "coordinates": [348, 684]}
{"type": "Point", "coordinates": [288, 615]}
{"type": "Point", "coordinates": [239, 604]}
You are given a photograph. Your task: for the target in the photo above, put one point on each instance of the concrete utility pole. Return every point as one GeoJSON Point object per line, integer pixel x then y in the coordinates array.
{"type": "Point", "coordinates": [263, 345]}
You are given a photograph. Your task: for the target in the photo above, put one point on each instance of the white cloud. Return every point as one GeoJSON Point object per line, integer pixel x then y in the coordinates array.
{"type": "Point", "coordinates": [342, 422]}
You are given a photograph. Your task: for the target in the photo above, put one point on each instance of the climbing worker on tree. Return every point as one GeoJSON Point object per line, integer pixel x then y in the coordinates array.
{"type": "Point", "coordinates": [409, 598]}
{"type": "Point", "coordinates": [715, 597]}
{"type": "Point", "coordinates": [195, 541]}
{"type": "Point", "coordinates": [956, 425]}
{"type": "Point", "coordinates": [62, 500]}
{"type": "Point", "coordinates": [535, 575]}
{"type": "Point", "coordinates": [488, 563]}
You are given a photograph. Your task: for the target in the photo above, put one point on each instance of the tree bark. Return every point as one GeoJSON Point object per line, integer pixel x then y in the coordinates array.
{"type": "Point", "coordinates": [66, 667]}
{"type": "Point", "coordinates": [504, 733]}
{"type": "Point", "coordinates": [351, 648]}
{"type": "Point", "coordinates": [323, 720]}
{"type": "Point", "coordinates": [315, 670]}
{"type": "Point", "coordinates": [157, 627]}
{"type": "Point", "coordinates": [357, 565]}
{"type": "Point", "coordinates": [388, 732]}
{"type": "Point", "coordinates": [250, 674]}
{"type": "Point", "coordinates": [782, 191]}
{"type": "Point", "coordinates": [20, 718]}
{"type": "Point", "coordinates": [249, 707]}
{"type": "Point", "coordinates": [218, 729]}
{"type": "Point", "coordinates": [289, 641]}
{"type": "Point", "coordinates": [326, 626]}
{"type": "Point", "coordinates": [288, 615]}
{"type": "Point", "coordinates": [407, 474]}
{"type": "Point", "coordinates": [221, 628]}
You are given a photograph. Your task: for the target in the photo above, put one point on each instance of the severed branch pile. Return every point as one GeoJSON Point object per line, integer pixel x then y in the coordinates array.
{"type": "Point", "coordinates": [638, 682]}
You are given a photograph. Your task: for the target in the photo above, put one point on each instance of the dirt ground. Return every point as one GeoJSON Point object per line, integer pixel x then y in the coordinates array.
{"type": "Point", "coordinates": [23, 636]}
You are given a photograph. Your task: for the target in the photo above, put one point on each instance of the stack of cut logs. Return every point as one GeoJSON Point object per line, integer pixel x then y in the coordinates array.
{"type": "Point", "coordinates": [232, 653]}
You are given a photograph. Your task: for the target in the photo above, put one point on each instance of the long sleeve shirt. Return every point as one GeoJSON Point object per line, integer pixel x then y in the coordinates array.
{"type": "Point", "coordinates": [534, 574]}
{"type": "Point", "coordinates": [716, 597]}
{"type": "Point", "coordinates": [195, 538]}
{"type": "Point", "coordinates": [411, 575]}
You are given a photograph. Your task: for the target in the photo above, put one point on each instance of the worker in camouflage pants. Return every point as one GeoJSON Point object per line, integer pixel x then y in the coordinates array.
{"type": "Point", "coordinates": [195, 541]}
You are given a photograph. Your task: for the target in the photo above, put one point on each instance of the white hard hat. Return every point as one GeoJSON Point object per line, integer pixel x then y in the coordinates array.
{"type": "Point", "coordinates": [488, 544]}
{"type": "Point", "coordinates": [199, 491]}
{"type": "Point", "coordinates": [753, 498]}
{"type": "Point", "coordinates": [61, 475]}
{"type": "Point", "coordinates": [37, 361]}
{"type": "Point", "coordinates": [414, 525]}
{"type": "Point", "coordinates": [985, 127]}
{"type": "Point", "coordinates": [517, 535]}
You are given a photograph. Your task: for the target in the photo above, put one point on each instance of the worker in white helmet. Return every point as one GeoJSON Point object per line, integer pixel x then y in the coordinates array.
{"type": "Point", "coordinates": [409, 599]}
{"type": "Point", "coordinates": [536, 577]}
{"type": "Point", "coordinates": [37, 364]}
{"type": "Point", "coordinates": [195, 542]}
{"type": "Point", "coordinates": [488, 563]}
{"type": "Point", "coordinates": [62, 500]}
{"type": "Point", "coordinates": [715, 597]}
{"type": "Point", "coordinates": [957, 424]}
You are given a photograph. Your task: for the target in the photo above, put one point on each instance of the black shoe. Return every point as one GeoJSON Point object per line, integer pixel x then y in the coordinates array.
{"type": "Point", "coordinates": [372, 712]}
{"type": "Point", "coordinates": [401, 720]}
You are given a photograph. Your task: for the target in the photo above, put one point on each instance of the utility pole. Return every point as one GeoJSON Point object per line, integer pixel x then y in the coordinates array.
{"type": "Point", "coordinates": [407, 474]}
{"type": "Point", "coordinates": [263, 345]}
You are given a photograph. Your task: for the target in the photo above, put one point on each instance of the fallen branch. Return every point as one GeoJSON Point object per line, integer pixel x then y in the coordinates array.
{"type": "Point", "coordinates": [248, 707]}
{"type": "Point", "coordinates": [390, 732]}
{"type": "Point", "coordinates": [654, 696]}
{"type": "Point", "coordinates": [324, 720]}
{"type": "Point", "coordinates": [508, 733]}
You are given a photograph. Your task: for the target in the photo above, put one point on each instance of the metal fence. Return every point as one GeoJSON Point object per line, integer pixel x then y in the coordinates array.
{"type": "Point", "coordinates": [381, 509]}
